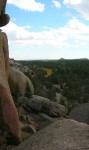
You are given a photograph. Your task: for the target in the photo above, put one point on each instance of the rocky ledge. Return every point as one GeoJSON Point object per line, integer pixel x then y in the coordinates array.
{"type": "Point", "coordinates": [65, 134]}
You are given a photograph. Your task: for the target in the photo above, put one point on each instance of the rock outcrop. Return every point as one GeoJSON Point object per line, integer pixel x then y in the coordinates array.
{"type": "Point", "coordinates": [64, 134]}
{"type": "Point", "coordinates": [80, 113]}
{"type": "Point", "coordinates": [9, 115]}
{"type": "Point", "coordinates": [19, 66]}
{"type": "Point", "coordinates": [41, 104]}
{"type": "Point", "coordinates": [7, 108]}
{"type": "Point", "coordinates": [4, 18]}
{"type": "Point", "coordinates": [19, 78]}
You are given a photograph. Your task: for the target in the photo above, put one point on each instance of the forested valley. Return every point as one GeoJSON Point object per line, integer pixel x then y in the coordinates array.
{"type": "Point", "coordinates": [63, 80]}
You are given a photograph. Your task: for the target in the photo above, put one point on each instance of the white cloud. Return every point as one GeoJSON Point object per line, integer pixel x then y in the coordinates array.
{"type": "Point", "coordinates": [16, 32]}
{"type": "Point", "coordinates": [82, 6]}
{"type": "Point", "coordinates": [75, 33]}
{"type": "Point", "coordinates": [28, 5]}
{"type": "Point", "coordinates": [72, 2]}
{"type": "Point", "coordinates": [56, 3]}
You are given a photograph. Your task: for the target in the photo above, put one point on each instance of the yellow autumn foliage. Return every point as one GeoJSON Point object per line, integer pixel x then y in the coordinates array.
{"type": "Point", "coordinates": [48, 71]}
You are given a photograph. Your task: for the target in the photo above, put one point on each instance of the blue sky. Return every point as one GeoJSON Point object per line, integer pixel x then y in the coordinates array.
{"type": "Point", "coordinates": [48, 29]}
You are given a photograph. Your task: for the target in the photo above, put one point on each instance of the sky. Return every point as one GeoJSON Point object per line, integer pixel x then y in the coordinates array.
{"type": "Point", "coordinates": [48, 29]}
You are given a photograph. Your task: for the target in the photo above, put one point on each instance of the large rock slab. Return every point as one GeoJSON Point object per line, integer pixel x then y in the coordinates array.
{"type": "Point", "coordinates": [61, 135]}
{"type": "Point", "coordinates": [8, 111]}
{"type": "Point", "coordinates": [42, 104]}
{"type": "Point", "coordinates": [9, 115]}
{"type": "Point", "coordinates": [45, 105]}
{"type": "Point", "coordinates": [80, 113]}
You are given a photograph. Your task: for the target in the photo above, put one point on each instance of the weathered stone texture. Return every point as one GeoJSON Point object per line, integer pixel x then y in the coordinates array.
{"type": "Point", "coordinates": [19, 78]}
{"type": "Point", "coordinates": [7, 107]}
{"type": "Point", "coordinates": [63, 134]}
